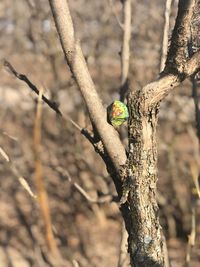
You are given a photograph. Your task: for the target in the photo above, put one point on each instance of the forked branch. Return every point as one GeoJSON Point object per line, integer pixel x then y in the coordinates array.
{"type": "Point", "coordinates": [145, 236]}
{"type": "Point", "coordinates": [178, 65]}
{"type": "Point", "coordinates": [156, 91]}
{"type": "Point", "coordinates": [77, 64]}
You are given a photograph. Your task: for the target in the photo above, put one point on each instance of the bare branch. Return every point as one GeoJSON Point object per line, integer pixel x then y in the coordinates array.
{"type": "Point", "coordinates": [155, 91]}
{"type": "Point", "coordinates": [96, 144]}
{"type": "Point", "coordinates": [24, 78]}
{"type": "Point", "coordinates": [75, 263]}
{"type": "Point", "coordinates": [15, 171]}
{"type": "Point", "coordinates": [51, 104]}
{"type": "Point", "coordinates": [165, 34]}
{"type": "Point", "coordinates": [177, 55]}
{"type": "Point", "coordinates": [125, 51]}
{"type": "Point", "coordinates": [192, 66]}
{"type": "Point", "coordinates": [178, 66]}
{"type": "Point", "coordinates": [4, 155]}
{"type": "Point", "coordinates": [101, 200]}
{"type": "Point", "coordinates": [115, 14]}
{"type": "Point", "coordinates": [78, 67]}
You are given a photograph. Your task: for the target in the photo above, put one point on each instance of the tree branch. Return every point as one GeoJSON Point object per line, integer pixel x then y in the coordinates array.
{"type": "Point", "coordinates": [116, 15]}
{"type": "Point", "coordinates": [25, 79]}
{"type": "Point", "coordinates": [192, 66]}
{"type": "Point", "coordinates": [78, 67]}
{"type": "Point", "coordinates": [165, 34]}
{"type": "Point", "coordinates": [177, 55]}
{"type": "Point", "coordinates": [178, 65]}
{"type": "Point", "coordinates": [155, 91]}
{"type": "Point", "coordinates": [125, 50]}
{"type": "Point", "coordinates": [54, 106]}
{"type": "Point", "coordinates": [100, 200]}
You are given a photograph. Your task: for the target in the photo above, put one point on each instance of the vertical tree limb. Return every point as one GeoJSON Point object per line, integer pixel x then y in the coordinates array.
{"type": "Point", "coordinates": [78, 67]}
{"type": "Point", "coordinates": [145, 238]}
{"type": "Point", "coordinates": [165, 34]}
{"type": "Point", "coordinates": [125, 50]}
{"type": "Point", "coordinates": [178, 54]}
{"type": "Point", "coordinates": [124, 89]}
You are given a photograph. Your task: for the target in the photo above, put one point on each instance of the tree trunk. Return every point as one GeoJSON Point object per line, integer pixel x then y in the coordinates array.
{"type": "Point", "coordinates": [145, 247]}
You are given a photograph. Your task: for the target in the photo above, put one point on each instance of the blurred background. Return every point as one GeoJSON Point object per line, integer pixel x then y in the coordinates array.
{"type": "Point", "coordinates": [86, 232]}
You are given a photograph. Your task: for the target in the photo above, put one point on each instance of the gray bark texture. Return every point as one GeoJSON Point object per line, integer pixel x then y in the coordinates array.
{"type": "Point", "coordinates": [145, 243]}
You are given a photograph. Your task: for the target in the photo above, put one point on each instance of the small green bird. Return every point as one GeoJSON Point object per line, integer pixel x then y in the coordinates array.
{"type": "Point", "coordinates": [117, 113]}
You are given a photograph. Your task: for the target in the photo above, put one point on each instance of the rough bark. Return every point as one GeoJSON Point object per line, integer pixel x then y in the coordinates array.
{"type": "Point", "coordinates": [145, 239]}
{"type": "Point", "coordinates": [145, 242]}
{"type": "Point", "coordinates": [178, 53]}
{"type": "Point", "coordinates": [145, 236]}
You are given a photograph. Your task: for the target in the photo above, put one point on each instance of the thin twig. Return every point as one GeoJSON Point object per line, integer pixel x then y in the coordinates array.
{"type": "Point", "coordinates": [98, 146]}
{"type": "Point", "coordinates": [125, 50]}
{"type": "Point", "coordinates": [165, 34]}
{"type": "Point", "coordinates": [116, 15]}
{"type": "Point", "coordinates": [75, 263]}
{"type": "Point", "coordinates": [14, 138]}
{"type": "Point", "coordinates": [42, 193]}
{"type": "Point", "coordinates": [100, 200]}
{"type": "Point", "coordinates": [53, 105]}
{"type": "Point", "coordinates": [4, 155]}
{"type": "Point", "coordinates": [124, 87]}
{"type": "Point", "coordinates": [24, 78]}
{"type": "Point", "coordinates": [16, 172]}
